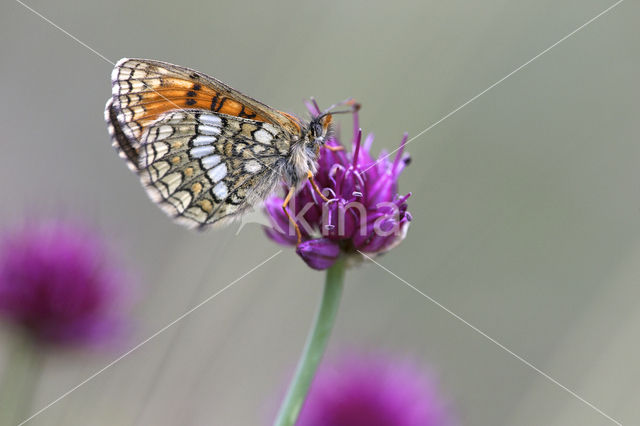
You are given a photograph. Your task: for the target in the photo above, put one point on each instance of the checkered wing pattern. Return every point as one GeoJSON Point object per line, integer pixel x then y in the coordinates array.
{"type": "Point", "coordinates": [205, 168]}
{"type": "Point", "coordinates": [204, 152]}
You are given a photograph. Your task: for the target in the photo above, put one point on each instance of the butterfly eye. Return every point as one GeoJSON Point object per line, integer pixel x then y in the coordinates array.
{"type": "Point", "coordinates": [316, 128]}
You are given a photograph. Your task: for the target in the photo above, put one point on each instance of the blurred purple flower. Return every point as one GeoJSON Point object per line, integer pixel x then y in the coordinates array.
{"type": "Point", "coordinates": [374, 391]}
{"type": "Point", "coordinates": [364, 212]}
{"type": "Point", "coordinates": [58, 282]}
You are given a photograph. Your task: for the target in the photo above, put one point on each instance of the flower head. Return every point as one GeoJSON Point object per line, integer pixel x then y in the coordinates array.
{"type": "Point", "coordinates": [364, 212]}
{"type": "Point", "coordinates": [58, 282]}
{"type": "Point", "coordinates": [374, 391]}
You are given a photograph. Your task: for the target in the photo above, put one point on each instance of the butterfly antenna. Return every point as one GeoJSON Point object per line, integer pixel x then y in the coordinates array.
{"type": "Point", "coordinates": [350, 101]}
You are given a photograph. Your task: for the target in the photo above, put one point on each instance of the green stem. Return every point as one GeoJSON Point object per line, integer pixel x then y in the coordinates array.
{"type": "Point", "coordinates": [314, 347]}
{"type": "Point", "coordinates": [20, 377]}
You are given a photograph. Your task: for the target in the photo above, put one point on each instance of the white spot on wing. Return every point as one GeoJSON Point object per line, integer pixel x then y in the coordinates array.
{"type": "Point", "coordinates": [210, 161]}
{"type": "Point", "coordinates": [201, 151]}
{"type": "Point", "coordinates": [208, 130]}
{"type": "Point", "coordinates": [204, 140]}
{"type": "Point", "coordinates": [210, 120]}
{"type": "Point", "coordinates": [252, 166]}
{"type": "Point", "coordinates": [218, 172]}
{"type": "Point", "coordinates": [220, 191]}
{"type": "Point", "coordinates": [263, 136]}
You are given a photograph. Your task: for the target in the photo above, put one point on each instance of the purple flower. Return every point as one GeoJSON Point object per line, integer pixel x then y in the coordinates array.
{"type": "Point", "coordinates": [364, 212]}
{"type": "Point", "coordinates": [373, 391]}
{"type": "Point", "coordinates": [58, 282]}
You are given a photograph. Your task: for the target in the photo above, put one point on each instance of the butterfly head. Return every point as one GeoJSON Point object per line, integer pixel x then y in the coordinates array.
{"type": "Point", "coordinates": [304, 154]}
{"type": "Point", "coordinates": [319, 131]}
{"type": "Point", "coordinates": [321, 125]}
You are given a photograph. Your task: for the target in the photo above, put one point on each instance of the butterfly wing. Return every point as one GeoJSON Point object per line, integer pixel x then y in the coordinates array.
{"type": "Point", "coordinates": [142, 90]}
{"type": "Point", "coordinates": [204, 168]}
{"type": "Point", "coordinates": [126, 147]}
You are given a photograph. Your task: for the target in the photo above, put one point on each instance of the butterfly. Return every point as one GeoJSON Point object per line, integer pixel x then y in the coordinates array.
{"type": "Point", "coordinates": [204, 152]}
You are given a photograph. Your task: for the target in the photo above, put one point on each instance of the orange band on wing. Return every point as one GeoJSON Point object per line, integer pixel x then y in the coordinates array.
{"type": "Point", "coordinates": [166, 94]}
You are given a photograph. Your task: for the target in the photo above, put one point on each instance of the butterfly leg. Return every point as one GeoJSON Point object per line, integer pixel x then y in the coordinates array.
{"type": "Point", "coordinates": [315, 186]}
{"type": "Point", "coordinates": [334, 148]}
{"type": "Point", "coordinates": [285, 204]}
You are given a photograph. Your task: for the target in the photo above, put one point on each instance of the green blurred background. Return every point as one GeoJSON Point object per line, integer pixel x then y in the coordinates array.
{"type": "Point", "coordinates": [526, 203]}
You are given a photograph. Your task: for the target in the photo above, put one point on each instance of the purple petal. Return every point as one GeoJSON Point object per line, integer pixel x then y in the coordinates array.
{"type": "Point", "coordinates": [279, 237]}
{"type": "Point", "coordinates": [319, 254]}
{"type": "Point", "coordinates": [281, 231]}
{"type": "Point", "coordinates": [279, 220]}
{"type": "Point", "coordinates": [382, 233]}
